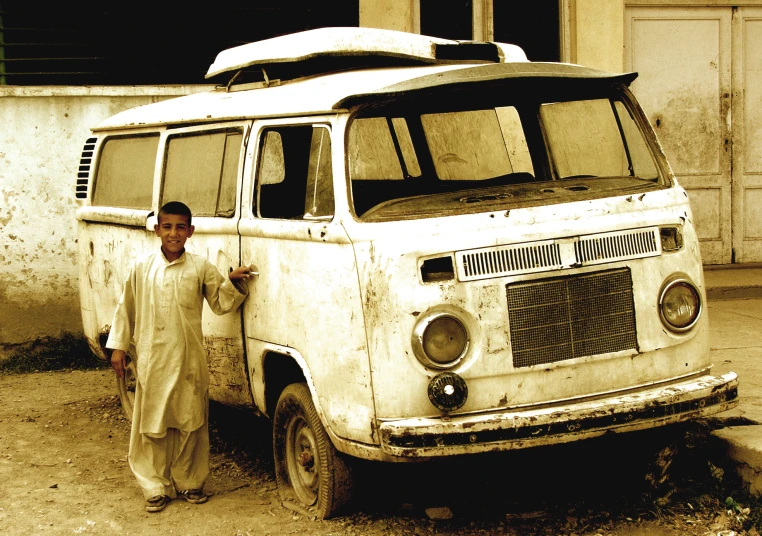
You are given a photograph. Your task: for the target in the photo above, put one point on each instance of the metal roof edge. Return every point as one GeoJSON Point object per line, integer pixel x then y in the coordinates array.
{"type": "Point", "coordinates": [488, 73]}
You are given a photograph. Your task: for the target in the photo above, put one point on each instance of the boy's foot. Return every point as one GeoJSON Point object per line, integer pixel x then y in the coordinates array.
{"type": "Point", "coordinates": [157, 503]}
{"type": "Point", "coordinates": [193, 496]}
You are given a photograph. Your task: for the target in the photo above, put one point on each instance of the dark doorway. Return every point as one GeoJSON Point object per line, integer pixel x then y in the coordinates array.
{"type": "Point", "coordinates": [534, 26]}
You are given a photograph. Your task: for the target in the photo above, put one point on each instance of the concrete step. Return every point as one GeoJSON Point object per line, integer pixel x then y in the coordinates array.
{"type": "Point", "coordinates": [733, 281]}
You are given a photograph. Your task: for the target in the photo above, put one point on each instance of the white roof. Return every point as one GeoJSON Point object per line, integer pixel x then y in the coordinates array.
{"type": "Point", "coordinates": [322, 92]}
{"type": "Point", "coordinates": [345, 41]}
{"type": "Point", "coordinates": [314, 95]}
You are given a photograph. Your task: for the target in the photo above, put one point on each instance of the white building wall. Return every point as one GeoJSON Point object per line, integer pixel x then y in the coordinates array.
{"type": "Point", "coordinates": [43, 130]}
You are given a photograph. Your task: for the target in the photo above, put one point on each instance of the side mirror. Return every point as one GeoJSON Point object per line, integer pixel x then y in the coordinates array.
{"type": "Point", "coordinates": [272, 168]}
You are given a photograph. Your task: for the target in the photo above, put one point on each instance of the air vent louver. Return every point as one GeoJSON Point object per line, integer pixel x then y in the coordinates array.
{"type": "Point", "coordinates": [550, 255]}
{"type": "Point", "coordinates": [85, 165]}
{"type": "Point", "coordinates": [621, 245]}
{"type": "Point", "coordinates": [507, 260]}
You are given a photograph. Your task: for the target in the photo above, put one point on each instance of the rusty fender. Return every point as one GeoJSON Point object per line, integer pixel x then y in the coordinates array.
{"type": "Point", "coordinates": [508, 430]}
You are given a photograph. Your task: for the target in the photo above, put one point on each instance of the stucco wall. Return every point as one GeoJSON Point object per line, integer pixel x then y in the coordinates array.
{"type": "Point", "coordinates": [43, 130]}
{"type": "Point", "coordinates": [401, 15]}
{"type": "Point", "coordinates": [596, 33]}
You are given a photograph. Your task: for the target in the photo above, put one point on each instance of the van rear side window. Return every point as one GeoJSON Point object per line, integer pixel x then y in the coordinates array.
{"type": "Point", "coordinates": [125, 172]}
{"type": "Point", "coordinates": [201, 170]}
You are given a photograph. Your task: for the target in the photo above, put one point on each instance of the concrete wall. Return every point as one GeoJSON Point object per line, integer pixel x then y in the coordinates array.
{"type": "Point", "coordinates": [43, 130]}
{"type": "Point", "coordinates": [593, 33]}
{"type": "Point", "coordinates": [401, 15]}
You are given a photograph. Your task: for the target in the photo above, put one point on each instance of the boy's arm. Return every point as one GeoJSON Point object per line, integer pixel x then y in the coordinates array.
{"type": "Point", "coordinates": [225, 294]}
{"type": "Point", "coordinates": [119, 362]}
{"type": "Point", "coordinates": [123, 326]}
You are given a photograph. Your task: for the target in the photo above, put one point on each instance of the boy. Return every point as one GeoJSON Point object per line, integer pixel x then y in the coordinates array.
{"type": "Point", "coordinates": [160, 309]}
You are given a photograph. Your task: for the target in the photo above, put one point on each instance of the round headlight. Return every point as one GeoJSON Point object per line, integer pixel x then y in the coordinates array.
{"type": "Point", "coordinates": [679, 305]}
{"type": "Point", "coordinates": [444, 340]}
{"type": "Point", "coordinates": [440, 339]}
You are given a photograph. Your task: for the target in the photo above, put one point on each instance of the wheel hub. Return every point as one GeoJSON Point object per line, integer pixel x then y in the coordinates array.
{"type": "Point", "coordinates": [306, 459]}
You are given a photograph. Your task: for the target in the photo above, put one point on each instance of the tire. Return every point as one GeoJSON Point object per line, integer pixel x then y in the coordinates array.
{"type": "Point", "coordinates": [308, 469]}
{"type": "Point", "coordinates": [126, 388]}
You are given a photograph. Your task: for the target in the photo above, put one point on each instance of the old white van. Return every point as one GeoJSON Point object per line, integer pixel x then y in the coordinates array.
{"type": "Point", "coordinates": [459, 250]}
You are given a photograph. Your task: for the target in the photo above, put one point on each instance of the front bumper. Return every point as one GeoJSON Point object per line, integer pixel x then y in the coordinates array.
{"type": "Point", "coordinates": [684, 401]}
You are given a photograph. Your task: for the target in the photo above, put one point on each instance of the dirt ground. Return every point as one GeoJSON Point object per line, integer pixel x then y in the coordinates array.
{"type": "Point", "coordinates": [63, 470]}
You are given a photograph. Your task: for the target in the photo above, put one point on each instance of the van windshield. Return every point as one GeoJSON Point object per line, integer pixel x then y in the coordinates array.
{"type": "Point", "coordinates": [408, 163]}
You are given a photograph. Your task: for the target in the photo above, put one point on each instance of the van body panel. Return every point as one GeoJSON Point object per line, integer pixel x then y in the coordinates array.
{"type": "Point", "coordinates": [106, 253]}
{"type": "Point", "coordinates": [307, 298]}
{"type": "Point", "coordinates": [217, 240]}
{"type": "Point", "coordinates": [387, 264]}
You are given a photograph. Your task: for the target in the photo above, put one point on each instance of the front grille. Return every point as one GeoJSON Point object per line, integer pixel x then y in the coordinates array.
{"type": "Point", "coordinates": [85, 164]}
{"type": "Point", "coordinates": [568, 317]}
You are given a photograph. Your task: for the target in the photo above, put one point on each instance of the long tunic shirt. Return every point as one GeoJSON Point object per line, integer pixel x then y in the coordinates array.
{"type": "Point", "coordinates": [160, 309]}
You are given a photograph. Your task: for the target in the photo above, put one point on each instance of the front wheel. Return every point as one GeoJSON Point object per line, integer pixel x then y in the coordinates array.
{"type": "Point", "coordinates": [308, 469]}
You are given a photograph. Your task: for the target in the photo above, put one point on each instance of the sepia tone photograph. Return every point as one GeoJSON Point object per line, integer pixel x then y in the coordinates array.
{"type": "Point", "coordinates": [381, 267]}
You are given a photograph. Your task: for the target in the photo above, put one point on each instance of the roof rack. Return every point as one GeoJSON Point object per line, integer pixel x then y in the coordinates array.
{"type": "Point", "coordinates": [336, 48]}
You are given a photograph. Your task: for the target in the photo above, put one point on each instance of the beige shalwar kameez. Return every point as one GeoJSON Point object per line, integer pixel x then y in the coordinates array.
{"type": "Point", "coordinates": [160, 309]}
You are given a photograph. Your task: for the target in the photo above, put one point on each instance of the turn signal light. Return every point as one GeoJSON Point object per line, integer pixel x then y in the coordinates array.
{"type": "Point", "coordinates": [448, 391]}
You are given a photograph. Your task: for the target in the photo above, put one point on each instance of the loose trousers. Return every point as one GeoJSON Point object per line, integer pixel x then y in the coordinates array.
{"type": "Point", "coordinates": [178, 460]}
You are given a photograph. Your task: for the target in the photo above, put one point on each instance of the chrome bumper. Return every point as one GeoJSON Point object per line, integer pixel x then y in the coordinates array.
{"type": "Point", "coordinates": [548, 425]}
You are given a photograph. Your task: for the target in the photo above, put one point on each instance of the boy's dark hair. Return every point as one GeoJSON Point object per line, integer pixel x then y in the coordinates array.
{"type": "Point", "coordinates": [177, 208]}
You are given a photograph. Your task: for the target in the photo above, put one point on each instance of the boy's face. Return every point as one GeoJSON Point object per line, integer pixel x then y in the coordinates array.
{"type": "Point", "coordinates": [173, 229]}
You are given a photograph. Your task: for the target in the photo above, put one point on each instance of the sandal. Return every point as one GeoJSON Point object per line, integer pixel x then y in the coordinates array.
{"type": "Point", "coordinates": [157, 503]}
{"type": "Point", "coordinates": [193, 496]}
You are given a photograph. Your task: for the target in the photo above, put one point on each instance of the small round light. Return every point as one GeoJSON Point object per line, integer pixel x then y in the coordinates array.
{"type": "Point", "coordinates": [444, 340]}
{"type": "Point", "coordinates": [448, 391]}
{"type": "Point", "coordinates": [679, 305]}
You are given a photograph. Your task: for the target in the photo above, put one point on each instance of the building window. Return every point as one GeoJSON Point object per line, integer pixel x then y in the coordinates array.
{"type": "Point", "coordinates": [115, 43]}
{"type": "Point", "coordinates": [534, 26]}
{"type": "Point", "coordinates": [449, 19]}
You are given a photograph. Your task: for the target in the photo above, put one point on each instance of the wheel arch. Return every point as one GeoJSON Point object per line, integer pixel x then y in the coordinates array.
{"type": "Point", "coordinates": [280, 371]}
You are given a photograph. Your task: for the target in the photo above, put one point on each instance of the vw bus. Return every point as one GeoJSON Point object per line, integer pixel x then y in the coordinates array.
{"type": "Point", "coordinates": [459, 250]}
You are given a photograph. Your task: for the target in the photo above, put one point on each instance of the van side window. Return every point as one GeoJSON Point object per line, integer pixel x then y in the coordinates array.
{"type": "Point", "coordinates": [201, 169]}
{"type": "Point", "coordinates": [294, 175]}
{"type": "Point", "coordinates": [125, 172]}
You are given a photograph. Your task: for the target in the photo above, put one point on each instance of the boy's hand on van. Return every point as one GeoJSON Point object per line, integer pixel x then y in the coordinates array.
{"type": "Point", "coordinates": [241, 273]}
{"type": "Point", "coordinates": [118, 362]}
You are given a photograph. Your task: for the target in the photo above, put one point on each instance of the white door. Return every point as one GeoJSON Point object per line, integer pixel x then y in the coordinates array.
{"type": "Point", "coordinates": [683, 57]}
{"type": "Point", "coordinates": [700, 83]}
{"type": "Point", "coordinates": [747, 134]}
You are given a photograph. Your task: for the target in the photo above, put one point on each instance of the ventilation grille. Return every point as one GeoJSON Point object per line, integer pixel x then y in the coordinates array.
{"type": "Point", "coordinates": [557, 254]}
{"type": "Point", "coordinates": [565, 318]}
{"type": "Point", "coordinates": [507, 260]}
{"type": "Point", "coordinates": [85, 164]}
{"type": "Point", "coordinates": [621, 245]}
